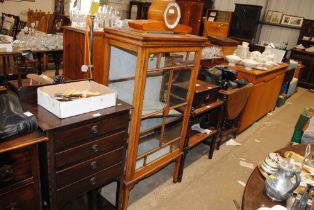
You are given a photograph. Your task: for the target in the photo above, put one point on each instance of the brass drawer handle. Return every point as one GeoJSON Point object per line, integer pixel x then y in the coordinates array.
{"type": "Point", "coordinates": [93, 180]}
{"type": "Point", "coordinates": [12, 206]}
{"type": "Point", "coordinates": [93, 165]}
{"type": "Point", "coordinates": [95, 129]}
{"type": "Point", "coordinates": [6, 173]}
{"type": "Point", "coordinates": [95, 148]}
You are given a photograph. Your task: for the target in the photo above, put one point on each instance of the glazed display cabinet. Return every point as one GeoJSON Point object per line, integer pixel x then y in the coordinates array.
{"type": "Point", "coordinates": [148, 70]}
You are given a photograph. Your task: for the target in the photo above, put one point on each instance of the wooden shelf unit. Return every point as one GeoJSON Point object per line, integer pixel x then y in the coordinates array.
{"type": "Point", "coordinates": [279, 25]}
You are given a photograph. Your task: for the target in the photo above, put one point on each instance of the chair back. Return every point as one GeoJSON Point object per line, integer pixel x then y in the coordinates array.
{"type": "Point", "coordinates": [56, 23]}
{"type": "Point", "coordinates": [44, 22]}
{"type": "Point", "coordinates": [235, 100]}
{"type": "Point", "coordinates": [9, 24]}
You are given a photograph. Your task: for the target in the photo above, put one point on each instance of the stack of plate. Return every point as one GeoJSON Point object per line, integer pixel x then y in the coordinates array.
{"type": "Point", "coordinates": [270, 164]}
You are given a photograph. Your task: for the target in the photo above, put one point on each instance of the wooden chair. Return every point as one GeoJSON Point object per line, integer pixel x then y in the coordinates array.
{"type": "Point", "coordinates": [30, 17]}
{"type": "Point", "coordinates": [44, 22]}
{"type": "Point", "coordinates": [9, 24]}
{"type": "Point", "coordinates": [234, 104]}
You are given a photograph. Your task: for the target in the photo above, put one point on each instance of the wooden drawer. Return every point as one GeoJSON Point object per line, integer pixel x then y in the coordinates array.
{"type": "Point", "coordinates": [15, 166]}
{"type": "Point", "coordinates": [21, 198]}
{"type": "Point", "coordinates": [88, 183]}
{"type": "Point", "coordinates": [90, 150]}
{"type": "Point", "coordinates": [219, 29]}
{"type": "Point", "coordinates": [87, 168]}
{"type": "Point", "coordinates": [72, 135]}
{"type": "Point", "coordinates": [204, 94]}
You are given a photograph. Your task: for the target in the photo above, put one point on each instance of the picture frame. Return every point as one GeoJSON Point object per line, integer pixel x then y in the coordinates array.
{"type": "Point", "coordinates": [213, 13]}
{"type": "Point", "coordinates": [285, 20]}
{"type": "Point", "coordinates": [276, 17]}
{"type": "Point", "coordinates": [292, 20]}
{"type": "Point", "coordinates": [268, 16]}
{"type": "Point", "coordinates": [211, 19]}
{"type": "Point", "coordinates": [296, 21]}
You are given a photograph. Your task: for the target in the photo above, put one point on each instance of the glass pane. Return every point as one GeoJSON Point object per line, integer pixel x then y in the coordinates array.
{"type": "Point", "coordinates": [172, 132]}
{"type": "Point", "coordinates": [153, 61]}
{"type": "Point", "coordinates": [191, 57]}
{"type": "Point", "coordinates": [152, 99]}
{"type": "Point", "coordinates": [124, 89]}
{"type": "Point", "coordinates": [122, 64]}
{"type": "Point", "coordinates": [180, 86]}
{"type": "Point", "coordinates": [175, 59]}
{"type": "Point", "coordinates": [122, 72]}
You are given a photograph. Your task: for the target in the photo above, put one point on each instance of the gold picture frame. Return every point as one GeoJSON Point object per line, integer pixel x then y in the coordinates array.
{"type": "Point", "coordinates": [292, 20]}
{"type": "Point", "coordinates": [276, 17]}
{"type": "Point", "coordinates": [268, 16]}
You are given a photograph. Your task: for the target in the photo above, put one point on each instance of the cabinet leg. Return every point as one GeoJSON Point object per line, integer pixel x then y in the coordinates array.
{"type": "Point", "coordinates": [178, 170]}
{"type": "Point", "coordinates": [119, 194]}
{"type": "Point", "coordinates": [212, 147]}
{"type": "Point", "coordinates": [125, 196]}
{"type": "Point", "coordinates": [92, 200]}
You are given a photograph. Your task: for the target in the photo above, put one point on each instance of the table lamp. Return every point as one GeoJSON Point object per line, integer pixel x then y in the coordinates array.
{"type": "Point", "coordinates": [90, 42]}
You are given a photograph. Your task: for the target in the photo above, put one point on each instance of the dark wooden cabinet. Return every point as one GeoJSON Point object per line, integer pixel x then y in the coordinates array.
{"type": "Point", "coordinates": [245, 22]}
{"type": "Point", "coordinates": [141, 10]}
{"type": "Point", "coordinates": [19, 173]}
{"type": "Point", "coordinates": [191, 14]}
{"type": "Point", "coordinates": [83, 153]}
{"type": "Point", "coordinates": [306, 79]}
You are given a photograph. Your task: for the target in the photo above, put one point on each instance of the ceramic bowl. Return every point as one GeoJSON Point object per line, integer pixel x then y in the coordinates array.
{"type": "Point", "coordinates": [249, 64]}
{"type": "Point", "coordinates": [233, 59]}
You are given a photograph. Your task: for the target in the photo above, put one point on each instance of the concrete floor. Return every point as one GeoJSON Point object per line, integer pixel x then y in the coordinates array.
{"type": "Point", "coordinates": [214, 184]}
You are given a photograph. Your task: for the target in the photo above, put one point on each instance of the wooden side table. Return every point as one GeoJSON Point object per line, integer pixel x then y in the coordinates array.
{"type": "Point", "coordinates": [254, 196]}
{"type": "Point", "coordinates": [205, 104]}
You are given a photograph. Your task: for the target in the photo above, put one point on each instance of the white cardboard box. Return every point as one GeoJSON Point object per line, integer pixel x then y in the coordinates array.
{"type": "Point", "coordinates": [5, 47]}
{"type": "Point", "coordinates": [62, 109]}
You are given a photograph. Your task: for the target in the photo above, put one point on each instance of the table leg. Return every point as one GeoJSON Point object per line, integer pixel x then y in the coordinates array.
{"type": "Point", "coordinates": [39, 60]}
{"type": "Point", "coordinates": [92, 200]}
{"type": "Point", "coordinates": [5, 73]}
{"type": "Point", "coordinates": [57, 61]}
{"type": "Point", "coordinates": [20, 64]}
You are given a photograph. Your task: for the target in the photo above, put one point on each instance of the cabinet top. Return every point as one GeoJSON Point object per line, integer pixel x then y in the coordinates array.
{"type": "Point", "coordinates": [147, 39]}
{"type": "Point", "coordinates": [19, 142]}
{"type": "Point", "coordinates": [249, 5]}
{"type": "Point", "coordinates": [48, 121]}
{"type": "Point", "coordinates": [260, 72]}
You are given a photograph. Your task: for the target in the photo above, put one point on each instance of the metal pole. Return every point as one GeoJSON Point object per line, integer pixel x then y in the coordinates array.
{"type": "Point", "coordinates": [91, 47]}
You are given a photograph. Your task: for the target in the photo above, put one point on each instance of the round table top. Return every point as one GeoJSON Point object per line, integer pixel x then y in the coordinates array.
{"type": "Point", "coordinates": [254, 195]}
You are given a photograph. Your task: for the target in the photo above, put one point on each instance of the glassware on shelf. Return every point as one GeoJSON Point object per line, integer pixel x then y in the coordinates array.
{"type": "Point", "coordinates": [108, 16]}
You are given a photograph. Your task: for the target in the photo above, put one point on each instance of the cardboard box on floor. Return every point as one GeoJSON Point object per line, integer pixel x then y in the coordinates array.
{"type": "Point", "coordinates": [63, 109]}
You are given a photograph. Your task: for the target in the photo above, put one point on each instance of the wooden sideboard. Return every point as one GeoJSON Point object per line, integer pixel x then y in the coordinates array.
{"type": "Point", "coordinates": [19, 172]}
{"type": "Point", "coordinates": [73, 54]}
{"type": "Point", "coordinates": [264, 93]}
{"type": "Point", "coordinates": [83, 153]}
{"type": "Point", "coordinates": [306, 78]}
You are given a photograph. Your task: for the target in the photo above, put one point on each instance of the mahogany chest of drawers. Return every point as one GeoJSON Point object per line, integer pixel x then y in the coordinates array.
{"type": "Point", "coordinates": [83, 153]}
{"type": "Point", "coordinates": [19, 173]}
